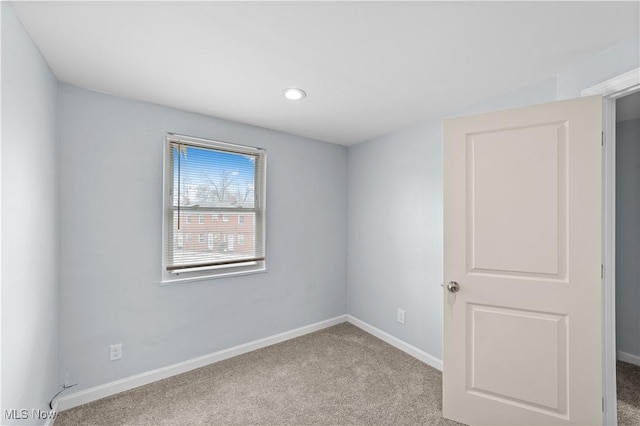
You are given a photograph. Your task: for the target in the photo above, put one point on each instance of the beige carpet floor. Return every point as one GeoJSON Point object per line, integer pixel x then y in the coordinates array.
{"type": "Point", "coordinates": [628, 384]}
{"type": "Point", "coordinates": [337, 376]}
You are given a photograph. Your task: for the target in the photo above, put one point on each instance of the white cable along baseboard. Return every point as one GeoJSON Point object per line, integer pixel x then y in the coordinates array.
{"type": "Point", "coordinates": [102, 391]}
{"type": "Point", "coordinates": [51, 420]}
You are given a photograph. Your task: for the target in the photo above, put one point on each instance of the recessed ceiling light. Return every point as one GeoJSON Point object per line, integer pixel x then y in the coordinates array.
{"type": "Point", "coordinates": [294, 94]}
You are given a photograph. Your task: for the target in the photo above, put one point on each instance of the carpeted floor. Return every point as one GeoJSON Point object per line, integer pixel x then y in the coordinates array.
{"type": "Point", "coordinates": [337, 376]}
{"type": "Point", "coordinates": [628, 384]}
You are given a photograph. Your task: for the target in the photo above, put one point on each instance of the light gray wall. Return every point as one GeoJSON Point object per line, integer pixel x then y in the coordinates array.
{"type": "Point", "coordinates": [110, 241]}
{"type": "Point", "coordinates": [395, 208]}
{"type": "Point", "coordinates": [628, 236]}
{"type": "Point", "coordinates": [30, 291]}
{"type": "Point", "coordinates": [616, 60]}
{"type": "Point", "coordinates": [395, 225]}
{"type": "Point", "coordinates": [395, 234]}
{"type": "Point", "coordinates": [110, 229]}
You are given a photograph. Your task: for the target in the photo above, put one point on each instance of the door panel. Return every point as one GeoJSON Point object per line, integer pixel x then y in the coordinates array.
{"type": "Point", "coordinates": [522, 339]}
{"type": "Point", "coordinates": [538, 355]}
{"type": "Point", "coordinates": [518, 170]}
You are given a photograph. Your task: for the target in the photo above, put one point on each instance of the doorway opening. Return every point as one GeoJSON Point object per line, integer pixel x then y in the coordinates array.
{"type": "Point", "coordinates": [611, 90]}
{"type": "Point", "coordinates": [627, 260]}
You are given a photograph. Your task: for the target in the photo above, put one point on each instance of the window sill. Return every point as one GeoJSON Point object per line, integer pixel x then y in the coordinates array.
{"type": "Point", "coordinates": [181, 280]}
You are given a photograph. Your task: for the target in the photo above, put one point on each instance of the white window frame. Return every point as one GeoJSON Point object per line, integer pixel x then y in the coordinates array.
{"type": "Point", "coordinates": [216, 271]}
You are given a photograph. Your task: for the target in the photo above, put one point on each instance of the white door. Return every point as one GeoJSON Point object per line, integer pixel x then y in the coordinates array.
{"type": "Point", "coordinates": [522, 239]}
{"type": "Point", "coordinates": [230, 243]}
{"type": "Point", "coordinates": [210, 242]}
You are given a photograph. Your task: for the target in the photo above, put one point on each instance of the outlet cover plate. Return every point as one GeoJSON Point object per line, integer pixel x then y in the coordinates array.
{"type": "Point", "coordinates": [115, 352]}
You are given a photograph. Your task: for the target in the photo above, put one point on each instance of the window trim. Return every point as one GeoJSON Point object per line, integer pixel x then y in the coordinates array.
{"type": "Point", "coordinates": [258, 264]}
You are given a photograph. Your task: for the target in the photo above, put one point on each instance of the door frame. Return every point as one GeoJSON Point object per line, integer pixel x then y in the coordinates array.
{"type": "Point", "coordinates": [610, 90]}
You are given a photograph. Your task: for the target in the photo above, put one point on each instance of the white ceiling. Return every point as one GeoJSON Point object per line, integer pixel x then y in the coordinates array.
{"type": "Point", "coordinates": [368, 67]}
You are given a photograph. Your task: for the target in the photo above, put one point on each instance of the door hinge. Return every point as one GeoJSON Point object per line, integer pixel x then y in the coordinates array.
{"type": "Point", "coordinates": [603, 405]}
{"type": "Point", "coordinates": [602, 138]}
{"type": "Point", "coordinates": [601, 270]}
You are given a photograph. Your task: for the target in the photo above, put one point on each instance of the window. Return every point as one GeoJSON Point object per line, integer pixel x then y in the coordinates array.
{"type": "Point", "coordinates": [210, 178]}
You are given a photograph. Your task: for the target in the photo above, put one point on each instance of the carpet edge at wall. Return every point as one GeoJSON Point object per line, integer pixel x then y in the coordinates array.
{"type": "Point", "coordinates": [102, 391]}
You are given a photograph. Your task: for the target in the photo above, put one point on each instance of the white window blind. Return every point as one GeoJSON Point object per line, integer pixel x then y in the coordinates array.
{"type": "Point", "coordinates": [210, 179]}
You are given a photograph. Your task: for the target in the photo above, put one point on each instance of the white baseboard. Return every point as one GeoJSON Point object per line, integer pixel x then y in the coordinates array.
{"type": "Point", "coordinates": [630, 358]}
{"type": "Point", "coordinates": [400, 344]}
{"type": "Point", "coordinates": [102, 391]}
{"type": "Point", "coordinates": [98, 392]}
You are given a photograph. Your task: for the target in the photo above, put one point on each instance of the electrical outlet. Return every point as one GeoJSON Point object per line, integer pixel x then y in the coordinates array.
{"type": "Point", "coordinates": [400, 317]}
{"type": "Point", "coordinates": [115, 352]}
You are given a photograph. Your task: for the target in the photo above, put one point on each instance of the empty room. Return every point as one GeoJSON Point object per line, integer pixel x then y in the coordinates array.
{"type": "Point", "coordinates": [328, 213]}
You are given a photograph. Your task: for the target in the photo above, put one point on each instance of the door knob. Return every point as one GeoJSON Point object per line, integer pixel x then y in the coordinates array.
{"type": "Point", "coordinates": [453, 286]}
